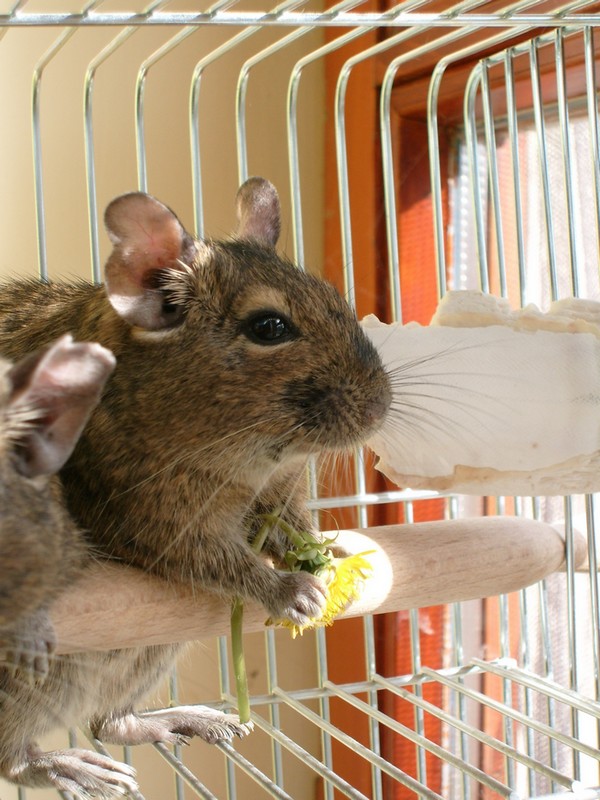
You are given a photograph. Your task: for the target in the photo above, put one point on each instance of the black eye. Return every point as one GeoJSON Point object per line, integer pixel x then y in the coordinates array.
{"type": "Point", "coordinates": [269, 327]}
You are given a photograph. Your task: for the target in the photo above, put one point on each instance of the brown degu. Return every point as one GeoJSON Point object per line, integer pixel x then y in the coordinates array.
{"type": "Point", "coordinates": [234, 367]}
{"type": "Point", "coordinates": [45, 399]}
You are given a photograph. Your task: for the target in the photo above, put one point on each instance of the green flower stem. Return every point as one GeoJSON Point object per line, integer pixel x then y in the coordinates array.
{"type": "Point", "coordinates": [239, 662]}
{"type": "Point", "coordinates": [237, 644]}
{"type": "Point", "coordinates": [306, 552]}
{"type": "Point", "coordinates": [273, 520]}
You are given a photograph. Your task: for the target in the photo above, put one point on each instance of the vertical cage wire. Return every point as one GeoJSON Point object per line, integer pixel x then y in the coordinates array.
{"type": "Point", "coordinates": [481, 125]}
{"type": "Point", "coordinates": [592, 104]}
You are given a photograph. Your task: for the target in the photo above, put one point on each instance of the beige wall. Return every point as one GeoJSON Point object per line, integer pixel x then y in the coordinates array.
{"type": "Point", "coordinates": [167, 135]}
{"type": "Point", "coordinates": [168, 144]}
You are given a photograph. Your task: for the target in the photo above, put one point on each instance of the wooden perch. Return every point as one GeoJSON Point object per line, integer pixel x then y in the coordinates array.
{"type": "Point", "coordinates": [417, 565]}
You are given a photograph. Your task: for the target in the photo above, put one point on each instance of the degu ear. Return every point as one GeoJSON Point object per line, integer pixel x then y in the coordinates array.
{"type": "Point", "coordinates": [148, 238]}
{"type": "Point", "coordinates": [54, 391]}
{"type": "Point", "coordinates": [258, 211]}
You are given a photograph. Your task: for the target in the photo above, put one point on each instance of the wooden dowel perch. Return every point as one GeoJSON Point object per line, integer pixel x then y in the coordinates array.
{"type": "Point", "coordinates": [418, 565]}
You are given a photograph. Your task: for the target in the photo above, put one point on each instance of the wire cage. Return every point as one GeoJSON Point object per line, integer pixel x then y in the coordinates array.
{"type": "Point", "coordinates": [416, 147]}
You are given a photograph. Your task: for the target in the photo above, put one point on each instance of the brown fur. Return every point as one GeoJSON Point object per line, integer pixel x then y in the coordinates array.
{"type": "Point", "coordinates": [44, 402]}
{"type": "Point", "coordinates": [200, 427]}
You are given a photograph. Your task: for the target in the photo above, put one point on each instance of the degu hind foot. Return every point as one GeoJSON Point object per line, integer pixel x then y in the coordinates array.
{"type": "Point", "coordinates": [84, 774]}
{"type": "Point", "coordinates": [173, 725]}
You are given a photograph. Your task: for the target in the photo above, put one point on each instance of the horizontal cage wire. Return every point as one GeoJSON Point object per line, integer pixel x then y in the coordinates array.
{"type": "Point", "coordinates": [416, 147]}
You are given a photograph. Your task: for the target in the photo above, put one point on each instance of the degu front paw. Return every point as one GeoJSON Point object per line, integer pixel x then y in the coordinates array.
{"type": "Point", "coordinates": [302, 598]}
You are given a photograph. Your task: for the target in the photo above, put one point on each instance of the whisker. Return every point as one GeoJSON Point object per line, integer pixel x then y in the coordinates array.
{"type": "Point", "coordinates": [191, 454]}
{"type": "Point", "coordinates": [445, 400]}
{"type": "Point", "coordinates": [453, 348]}
{"type": "Point", "coordinates": [417, 413]}
{"type": "Point", "coordinates": [231, 480]}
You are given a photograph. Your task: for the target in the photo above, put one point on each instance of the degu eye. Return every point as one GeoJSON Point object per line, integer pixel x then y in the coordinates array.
{"type": "Point", "coordinates": [269, 328]}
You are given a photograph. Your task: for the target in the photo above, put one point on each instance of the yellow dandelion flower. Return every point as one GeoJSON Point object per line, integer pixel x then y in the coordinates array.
{"type": "Point", "coordinates": [344, 578]}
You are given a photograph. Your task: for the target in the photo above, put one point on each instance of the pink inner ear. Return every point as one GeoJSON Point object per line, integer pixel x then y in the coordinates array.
{"type": "Point", "coordinates": [156, 244]}
{"type": "Point", "coordinates": [145, 231]}
{"type": "Point", "coordinates": [63, 383]}
{"type": "Point", "coordinates": [148, 237]}
{"type": "Point", "coordinates": [258, 210]}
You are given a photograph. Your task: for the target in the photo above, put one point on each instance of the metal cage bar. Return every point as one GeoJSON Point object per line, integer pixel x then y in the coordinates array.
{"type": "Point", "coordinates": [496, 216]}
